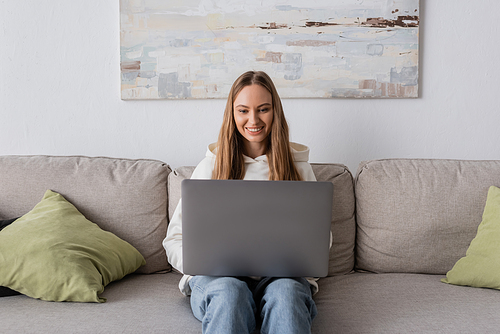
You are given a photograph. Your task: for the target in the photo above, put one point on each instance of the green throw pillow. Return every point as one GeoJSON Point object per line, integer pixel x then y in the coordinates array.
{"type": "Point", "coordinates": [481, 265]}
{"type": "Point", "coordinates": [54, 253]}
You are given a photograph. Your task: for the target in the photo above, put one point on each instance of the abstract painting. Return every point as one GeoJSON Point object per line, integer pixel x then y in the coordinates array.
{"type": "Point", "coordinates": [195, 49]}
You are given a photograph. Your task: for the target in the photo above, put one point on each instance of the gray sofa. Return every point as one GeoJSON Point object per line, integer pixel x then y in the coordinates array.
{"type": "Point", "coordinates": [398, 227]}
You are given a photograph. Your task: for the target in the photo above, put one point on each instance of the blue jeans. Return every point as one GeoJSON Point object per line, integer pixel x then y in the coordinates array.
{"type": "Point", "coordinates": [229, 304]}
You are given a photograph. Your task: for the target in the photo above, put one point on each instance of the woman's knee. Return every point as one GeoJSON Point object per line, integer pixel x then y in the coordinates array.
{"type": "Point", "coordinates": [228, 289]}
{"type": "Point", "coordinates": [223, 301]}
{"type": "Point", "coordinates": [289, 294]}
{"type": "Point", "coordinates": [289, 288]}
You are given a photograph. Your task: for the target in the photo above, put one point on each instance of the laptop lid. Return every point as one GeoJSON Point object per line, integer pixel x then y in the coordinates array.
{"type": "Point", "coordinates": [256, 228]}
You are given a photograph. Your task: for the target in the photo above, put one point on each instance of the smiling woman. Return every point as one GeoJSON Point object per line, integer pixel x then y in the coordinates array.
{"type": "Point", "coordinates": [253, 144]}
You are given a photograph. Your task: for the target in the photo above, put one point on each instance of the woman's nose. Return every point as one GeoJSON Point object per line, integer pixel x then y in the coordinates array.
{"type": "Point", "coordinates": [254, 117]}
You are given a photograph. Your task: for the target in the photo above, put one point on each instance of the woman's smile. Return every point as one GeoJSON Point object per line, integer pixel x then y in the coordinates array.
{"type": "Point", "coordinates": [255, 130]}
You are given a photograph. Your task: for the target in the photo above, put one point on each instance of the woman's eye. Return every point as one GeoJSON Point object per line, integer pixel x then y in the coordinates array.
{"type": "Point", "coordinates": [242, 111]}
{"type": "Point", "coordinates": [264, 109]}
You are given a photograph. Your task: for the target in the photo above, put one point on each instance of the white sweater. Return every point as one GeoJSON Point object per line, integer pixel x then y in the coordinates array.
{"type": "Point", "coordinates": [255, 169]}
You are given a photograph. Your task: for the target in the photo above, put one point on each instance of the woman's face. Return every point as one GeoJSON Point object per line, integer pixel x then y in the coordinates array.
{"type": "Point", "coordinates": [253, 114]}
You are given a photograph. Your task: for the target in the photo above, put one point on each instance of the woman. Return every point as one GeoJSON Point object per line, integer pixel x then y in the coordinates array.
{"type": "Point", "coordinates": [252, 145]}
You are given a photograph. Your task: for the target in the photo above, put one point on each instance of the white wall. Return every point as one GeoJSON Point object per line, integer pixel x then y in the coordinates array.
{"type": "Point", "coordinates": [60, 93]}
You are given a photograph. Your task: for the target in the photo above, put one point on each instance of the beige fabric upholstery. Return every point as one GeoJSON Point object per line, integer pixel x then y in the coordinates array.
{"type": "Point", "coordinates": [125, 197]}
{"type": "Point", "coordinates": [136, 304]}
{"type": "Point", "coordinates": [343, 221]}
{"type": "Point", "coordinates": [403, 303]}
{"type": "Point", "coordinates": [354, 303]}
{"type": "Point", "coordinates": [419, 216]}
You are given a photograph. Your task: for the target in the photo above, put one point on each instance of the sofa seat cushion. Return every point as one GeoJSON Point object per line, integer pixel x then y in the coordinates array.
{"type": "Point", "coordinates": [136, 304]}
{"type": "Point", "coordinates": [419, 215]}
{"type": "Point", "coordinates": [353, 303]}
{"type": "Point", "coordinates": [402, 303]}
{"type": "Point", "coordinates": [125, 197]}
{"type": "Point", "coordinates": [343, 224]}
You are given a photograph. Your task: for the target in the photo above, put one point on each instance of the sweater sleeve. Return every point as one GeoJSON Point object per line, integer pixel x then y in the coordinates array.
{"type": "Point", "coordinates": [305, 170]}
{"type": "Point", "coordinates": [173, 241]}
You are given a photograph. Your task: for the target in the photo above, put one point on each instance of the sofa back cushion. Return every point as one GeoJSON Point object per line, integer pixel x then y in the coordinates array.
{"type": "Point", "coordinates": [418, 215]}
{"type": "Point", "coordinates": [125, 197]}
{"type": "Point", "coordinates": [343, 221]}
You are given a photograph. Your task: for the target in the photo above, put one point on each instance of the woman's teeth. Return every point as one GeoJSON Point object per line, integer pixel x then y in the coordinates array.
{"type": "Point", "coordinates": [255, 129]}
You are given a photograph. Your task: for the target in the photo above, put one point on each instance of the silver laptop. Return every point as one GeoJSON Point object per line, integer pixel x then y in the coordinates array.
{"type": "Point", "coordinates": [256, 228]}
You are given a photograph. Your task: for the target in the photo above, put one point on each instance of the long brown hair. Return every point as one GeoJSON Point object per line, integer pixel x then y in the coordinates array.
{"type": "Point", "coordinates": [229, 161]}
